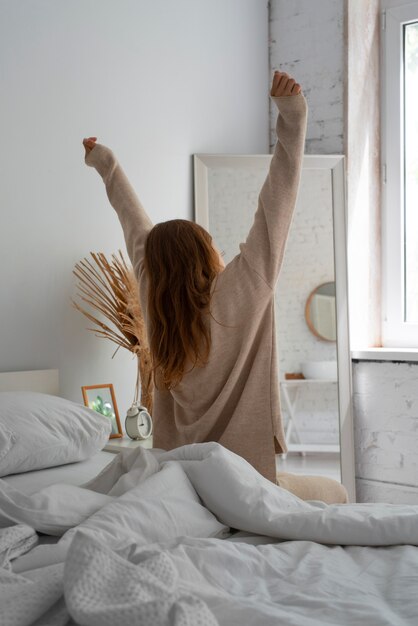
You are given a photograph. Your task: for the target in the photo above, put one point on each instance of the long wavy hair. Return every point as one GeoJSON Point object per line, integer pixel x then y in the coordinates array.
{"type": "Point", "coordinates": [181, 265]}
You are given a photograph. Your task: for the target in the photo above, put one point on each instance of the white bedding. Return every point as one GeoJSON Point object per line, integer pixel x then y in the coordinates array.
{"type": "Point", "coordinates": [70, 474]}
{"type": "Point", "coordinates": [145, 545]}
{"type": "Point", "coordinates": [38, 431]}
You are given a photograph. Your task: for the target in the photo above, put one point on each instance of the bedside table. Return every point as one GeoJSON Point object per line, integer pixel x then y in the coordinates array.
{"type": "Point", "coordinates": [126, 443]}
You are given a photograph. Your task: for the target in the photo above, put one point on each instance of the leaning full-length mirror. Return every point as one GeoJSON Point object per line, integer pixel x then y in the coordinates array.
{"type": "Point", "coordinates": [311, 301]}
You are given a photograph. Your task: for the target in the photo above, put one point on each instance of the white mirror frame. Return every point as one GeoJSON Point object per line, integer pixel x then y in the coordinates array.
{"type": "Point", "coordinates": [335, 164]}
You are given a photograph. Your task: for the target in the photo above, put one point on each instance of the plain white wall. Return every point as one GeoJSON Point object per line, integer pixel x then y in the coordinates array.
{"type": "Point", "coordinates": [157, 81]}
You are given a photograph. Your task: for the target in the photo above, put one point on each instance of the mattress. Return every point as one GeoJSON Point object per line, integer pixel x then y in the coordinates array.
{"type": "Point", "coordinates": [70, 474]}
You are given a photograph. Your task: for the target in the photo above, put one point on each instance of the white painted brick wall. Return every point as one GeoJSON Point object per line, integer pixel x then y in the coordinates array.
{"type": "Point", "coordinates": [376, 491]}
{"type": "Point", "coordinates": [386, 428]}
{"type": "Point", "coordinates": [307, 41]}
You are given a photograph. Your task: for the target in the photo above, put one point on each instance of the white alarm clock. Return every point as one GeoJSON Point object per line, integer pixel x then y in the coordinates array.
{"type": "Point", "coordinates": [138, 422]}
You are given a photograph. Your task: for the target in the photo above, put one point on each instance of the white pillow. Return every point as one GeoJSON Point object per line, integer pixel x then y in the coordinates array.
{"type": "Point", "coordinates": [38, 431]}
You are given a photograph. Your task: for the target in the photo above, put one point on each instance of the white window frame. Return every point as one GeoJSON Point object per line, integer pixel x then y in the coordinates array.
{"type": "Point", "coordinates": [395, 331]}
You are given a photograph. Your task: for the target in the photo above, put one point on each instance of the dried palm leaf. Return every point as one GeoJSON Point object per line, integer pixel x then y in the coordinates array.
{"type": "Point", "coordinates": [110, 287]}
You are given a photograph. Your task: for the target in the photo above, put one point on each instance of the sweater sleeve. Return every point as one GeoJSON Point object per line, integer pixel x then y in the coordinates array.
{"type": "Point", "coordinates": [266, 241]}
{"type": "Point", "coordinates": [135, 222]}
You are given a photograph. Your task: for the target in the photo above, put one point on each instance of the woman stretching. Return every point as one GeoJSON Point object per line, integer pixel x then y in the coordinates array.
{"type": "Point", "coordinates": [211, 328]}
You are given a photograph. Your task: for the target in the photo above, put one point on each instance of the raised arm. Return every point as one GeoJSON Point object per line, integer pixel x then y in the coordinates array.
{"type": "Point", "coordinates": [133, 218]}
{"type": "Point", "coordinates": [266, 241]}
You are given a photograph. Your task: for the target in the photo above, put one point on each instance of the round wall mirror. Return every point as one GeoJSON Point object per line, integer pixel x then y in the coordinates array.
{"type": "Point", "coordinates": [320, 312]}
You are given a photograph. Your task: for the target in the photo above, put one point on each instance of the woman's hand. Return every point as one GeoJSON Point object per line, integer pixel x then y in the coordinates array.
{"type": "Point", "coordinates": [89, 144]}
{"type": "Point", "coordinates": [284, 85]}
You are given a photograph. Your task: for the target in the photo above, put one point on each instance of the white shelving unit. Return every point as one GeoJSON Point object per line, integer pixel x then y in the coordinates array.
{"type": "Point", "coordinates": [290, 392]}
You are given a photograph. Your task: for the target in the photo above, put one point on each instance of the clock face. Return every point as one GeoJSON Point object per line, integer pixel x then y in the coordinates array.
{"type": "Point", "coordinates": [144, 424]}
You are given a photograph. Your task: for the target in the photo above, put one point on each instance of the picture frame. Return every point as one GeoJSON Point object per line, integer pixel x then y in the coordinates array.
{"type": "Point", "coordinates": [102, 399]}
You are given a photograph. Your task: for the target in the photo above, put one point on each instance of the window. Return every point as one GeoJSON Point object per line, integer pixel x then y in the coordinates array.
{"type": "Point", "coordinates": [400, 163]}
{"type": "Point", "coordinates": [410, 135]}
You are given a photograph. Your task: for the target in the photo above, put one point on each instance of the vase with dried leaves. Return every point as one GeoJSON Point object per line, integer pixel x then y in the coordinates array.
{"type": "Point", "coordinates": [110, 287]}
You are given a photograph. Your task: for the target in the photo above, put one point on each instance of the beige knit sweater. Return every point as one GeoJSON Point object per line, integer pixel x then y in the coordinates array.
{"type": "Point", "coordinates": [234, 398]}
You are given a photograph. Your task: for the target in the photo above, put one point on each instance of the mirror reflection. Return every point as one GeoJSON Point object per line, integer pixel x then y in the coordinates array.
{"type": "Point", "coordinates": [306, 335]}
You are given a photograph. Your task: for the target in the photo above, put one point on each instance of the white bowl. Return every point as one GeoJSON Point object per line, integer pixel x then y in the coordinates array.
{"type": "Point", "coordinates": [320, 370]}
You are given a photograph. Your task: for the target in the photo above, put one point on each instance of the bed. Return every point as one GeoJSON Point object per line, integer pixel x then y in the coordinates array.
{"type": "Point", "coordinates": [195, 536]}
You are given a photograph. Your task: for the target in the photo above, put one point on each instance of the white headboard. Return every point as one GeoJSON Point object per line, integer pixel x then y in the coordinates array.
{"type": "Point", "coordinates": [43, 381]}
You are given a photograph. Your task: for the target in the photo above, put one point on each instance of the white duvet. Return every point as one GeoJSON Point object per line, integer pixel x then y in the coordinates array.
{"type": "Point", "coordinates": [144, 543]}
